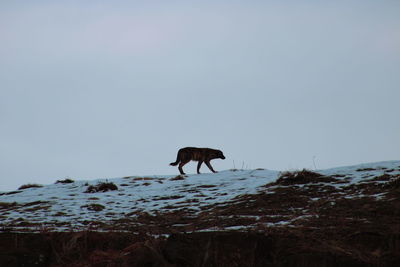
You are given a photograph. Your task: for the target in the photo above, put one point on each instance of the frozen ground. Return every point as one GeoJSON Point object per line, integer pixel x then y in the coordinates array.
{"type": "Point", "coordinates": [67, 207]}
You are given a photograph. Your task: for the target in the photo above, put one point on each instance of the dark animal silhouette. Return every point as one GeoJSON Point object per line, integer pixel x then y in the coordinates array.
{"type": "Point", "coordinates": [197, 154]}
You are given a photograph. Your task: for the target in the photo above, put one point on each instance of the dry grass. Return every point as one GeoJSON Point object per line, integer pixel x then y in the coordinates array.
{"type": "Point", "coordinates": [302, 215]}
{"type": "Point", "coordinates": [101, 187]}
{"type": "Point", "coordinates": [177, 178]}
{"type": "Point", "coordinates": [65, 181]}
{"type": "Point", "coordinates": [25, 186]}
{"type": "Point", "coordinates": [302, 177]}
{"type": "Point", "coordinates": [365, 169]}
{"type": "Point", "coordinates": [143, 179]}
{"type": "Point", "coordinates": [7, 205]}
{"type": "Point", "coordinates": [94, 207]}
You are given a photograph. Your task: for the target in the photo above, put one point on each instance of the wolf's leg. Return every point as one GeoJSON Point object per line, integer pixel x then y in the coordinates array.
{"type": "Point", "coordinates": [209, 166]}
{"type": "Point", "coordinates": [198, 166]}
{"type": "Point", "coordinates": [181, 165]}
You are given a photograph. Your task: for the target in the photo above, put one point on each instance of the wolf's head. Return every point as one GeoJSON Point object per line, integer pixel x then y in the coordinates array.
{"type": "Point", "coordinates": [220, 155]}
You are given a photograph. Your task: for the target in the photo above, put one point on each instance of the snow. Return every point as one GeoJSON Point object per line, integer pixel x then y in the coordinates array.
{"type": "Point", "coordinates": [358, 173]}
{"type": "Point", "coordinates": [61, 203]}
{"type": "Point", "coordinates": [147, 194]}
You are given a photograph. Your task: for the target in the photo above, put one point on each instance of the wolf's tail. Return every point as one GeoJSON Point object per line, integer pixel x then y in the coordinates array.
{"type": "Point", "coordinates": [178, 159]}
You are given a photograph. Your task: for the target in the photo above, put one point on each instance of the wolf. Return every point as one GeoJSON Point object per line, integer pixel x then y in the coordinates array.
{"type": "Point", "coordinates": [197, 154]}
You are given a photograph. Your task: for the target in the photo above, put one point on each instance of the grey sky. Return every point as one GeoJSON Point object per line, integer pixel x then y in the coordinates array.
{"type": "Point", "coordinates": [96, 89]}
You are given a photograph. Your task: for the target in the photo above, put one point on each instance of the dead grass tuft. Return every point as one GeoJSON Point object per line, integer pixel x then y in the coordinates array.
{"type": "Point", "coordinates": [101, 187]}
{"type": "Point", "coordinates": [302, 177]}
{"type": "Point", "coordinates": [177, 178]}
{"type": "Point", "coordinates": [65, 181]}
{"type": "Point", "coordinates": [394, 184]}
{"type": "Point", "coordinates": [365, 169]}
{"type": "Point", "coordinates": [143, 179]}
{"type": "Point", "coordinates": [7, 205]}
{"type": "Point", "coordinates": [25, 186]}
{"type": "Point", "coordinates": [94, 207]}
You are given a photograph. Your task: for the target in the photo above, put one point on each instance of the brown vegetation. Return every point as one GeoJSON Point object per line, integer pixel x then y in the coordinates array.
{"type": "Point", "coordinates": [93, 207]}
{"type": "Point", "coordinates": [25, 186]}
{"type": "Point", "coordinates": [101, 187]}
{"type": "Point", "coordinates": [277, 247]}
{"type": "Point", "coordinates": [65, 181]}
{"type": "Point", "coordinates": [303, 219]}
{"type": "Point", "coordinates": [302, 177]}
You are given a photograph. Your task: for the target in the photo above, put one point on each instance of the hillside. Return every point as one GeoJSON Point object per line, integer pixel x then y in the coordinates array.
{"type": "Point", "coordinates": [351, 212]}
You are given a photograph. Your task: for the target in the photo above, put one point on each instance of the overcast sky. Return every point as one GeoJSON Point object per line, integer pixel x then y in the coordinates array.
{"type": "Point", "coordinates": [96, 89]}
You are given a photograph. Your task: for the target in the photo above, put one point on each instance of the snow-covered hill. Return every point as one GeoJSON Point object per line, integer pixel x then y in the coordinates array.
{"type": "Point", "coordinates": [226, 200]}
